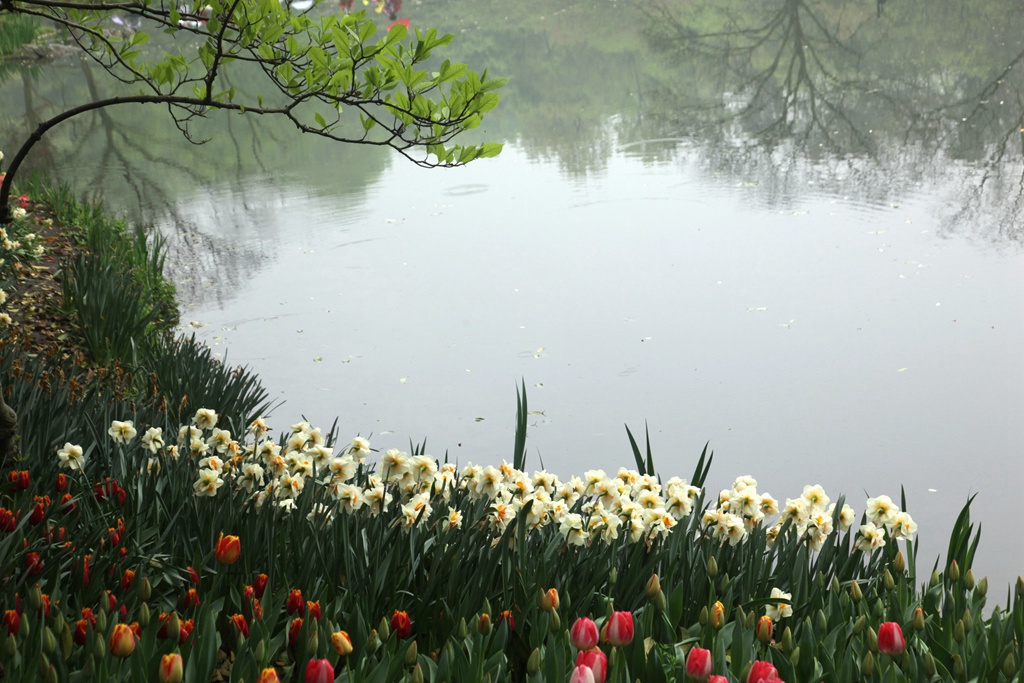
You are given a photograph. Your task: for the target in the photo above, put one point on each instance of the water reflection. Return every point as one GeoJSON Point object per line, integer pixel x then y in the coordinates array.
{"type": "Point", "coordinates": [788, 92]}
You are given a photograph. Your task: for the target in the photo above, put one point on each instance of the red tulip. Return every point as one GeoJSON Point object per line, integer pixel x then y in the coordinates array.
{"type": "Point", "coordinates": [193, 575]}
{"type": "Point", "coordinates": [319, 671]}
{"type": "Point", "coordinates": [241, 624]}
{"type": "Point", "coordinates": [698, 664]}
{"type": "Point", "coordinates": [260, 585]}
{"type": "Point", "coordinates": [33, 565]}
{"type": "Point", "coordinates": [228, 549]}
{"type": "Point", "coordinates": [126, 579]}
{"type": "Point", "coordinates": [313, 607]}
{"type": "Point", "coordinates": [81, 635]}
{"type": "Point", "coordinates": [764, 629]}
{"type": "Point", "coordinates": [618, 630]}
{"type": "Point", "coordinates": [890, 639]}
{"type": "Point", "coordinates": [23, 201]}
{"type": "Point", "coordinates": [596, 661]}
{"type": "Point", "coordinates": [506, 615]}
{"type": "Point", "coordinates": [293, 630]}
{"type": "Point", "coordinates": [401, 624]}
{"type": "Point", "coordinates": [583, 634]}
{"type": "Point", "coordinates": [295, 604]}
{"type": "Point", "coordinates": [8, 520]}
{"type": "Point", "coordinates": [12, 620]}
{"type": "Point", "coordinates": [191, 598]}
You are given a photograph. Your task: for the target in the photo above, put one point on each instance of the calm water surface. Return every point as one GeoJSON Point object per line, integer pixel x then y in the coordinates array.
{"type": "Point", "coordinates": [821, 276]}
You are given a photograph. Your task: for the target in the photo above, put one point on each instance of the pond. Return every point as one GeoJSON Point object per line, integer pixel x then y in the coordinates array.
{"type": "Point", "coordinates": [791, 231]}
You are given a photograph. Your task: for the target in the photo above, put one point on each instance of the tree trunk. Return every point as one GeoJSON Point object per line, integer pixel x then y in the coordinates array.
{"type": "Point", "coordinates": [8, 432]}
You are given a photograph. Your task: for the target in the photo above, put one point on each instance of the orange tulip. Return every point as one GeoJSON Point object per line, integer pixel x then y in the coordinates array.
{"type": "Point", "coordinates": [122, 641]}
{"type": "Point", "coordinates": [228, 549]}
{"type": "Point", "coordinates": [549, 601]}
{"type": "Point", "coordinates": [268, 676]}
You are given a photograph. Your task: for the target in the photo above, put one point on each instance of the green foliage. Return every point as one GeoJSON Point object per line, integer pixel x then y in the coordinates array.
{"type": "Point", "coordinates": [16, 31]}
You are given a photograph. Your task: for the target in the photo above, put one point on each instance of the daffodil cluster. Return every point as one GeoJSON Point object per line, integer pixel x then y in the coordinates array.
{"type": "Point", "coordinates": [595, 508]}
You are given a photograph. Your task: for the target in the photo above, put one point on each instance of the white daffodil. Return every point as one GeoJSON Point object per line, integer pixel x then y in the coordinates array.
{"type": "Point", "coordinates": [71, 456]}
{"type": "Point", "coordinates": [122, 432]}
{"type": "Point", "coordinates": [205, 418]}
{"type": "Point", "coordinates": [153, 439]}
{"type": "Point", "coordinates": [780, 607]}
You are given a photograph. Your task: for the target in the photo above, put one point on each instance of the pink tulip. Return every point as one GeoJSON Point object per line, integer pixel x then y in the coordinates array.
{"type": "Point", "coordinates": [890, 639]}
{"type": "Point", "coordinates": [718, 679]}
{"type": "Point", "coordinates": [596, 661]}
{"type": "Point", "coordinates": [618, 630]}
{"type": "Point", "coordinates": [582, 674]}
{"type": "Point", "coordinates": [698, 664]}
{"type": "Point", "coordinates": [583, 634]}
{"type": "Point", "coordinates": [762, 672]}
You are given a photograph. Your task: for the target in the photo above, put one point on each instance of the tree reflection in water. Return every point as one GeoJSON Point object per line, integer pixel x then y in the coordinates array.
{"type": "Point", "coordinates": [786, 92]}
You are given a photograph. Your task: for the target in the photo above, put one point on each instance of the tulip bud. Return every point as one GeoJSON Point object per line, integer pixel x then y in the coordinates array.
{"type": "Point", "coordinates": [982, 588]}
{"type": "Point", "coordinates": [834, 586]}
{"type": "Point", "coordinates": [844, 600]}
{"type": "Point", "coordinates": [24, 630]}
{"type": "Point", "coordinates": [858, 626]}
{"type": "Point", "coordinates": [787, 640]}
{"type": "Point", "coordinates": [99, 645]}
{"type": "Point", "coordinates": [702, 618]}
{"type": "Point", "coordinates": [417, 674]}
{"type": "Point", "coordinates": [822, 621]}
{"type": "Point", "coordinates": [411, 654]}
{"type": "Point", "coordinates": [929, 664]}
{"type": "Point", "coordinates": [763, 632]}
{"type": "Point", "coordinates": [312, 639]}
{"type": "Point", "coordinates": [749, 619]}
{"type": "Point", "coordinates": [43, 665]}
{"type": "Point", "coordinates": [888, 581]}
{"type": "Point", "coordinates": [872, 640]}
{"type": "Point", "coordinates": [1020, 586]}
{"type": "Point", "coordinates": [717, 615]}
{"type": "Point", "coordinates": [463, 628]}
{"type": "Point", "coordinates": [35, 598]}
{"type": "Point", "coordinates": [384, 629]}
{"type": "Point", "coordinates": [65, 641]}
{"type": "Point", "coordinates": [958, 631]}
{"type": "Point", "coordinates": [533, 663]}
{"type": "Point", "coordinates": [653, 587]}
{"type": "Point", "coordinates": [968, 620]}
{"type": "Point", "coordinates": [49, 641]}
{"type": "Point", "coordinates": [372, 642]}
{"type": "Point", "coordinates": [877, 609]}
{"type": "Point", "coordinates": [90, 668]}
{"type": "Point", "coordinates": [144, 615]}
{"type": "Point", "coordinates": [555, 622]}
{"type": "Point", "coordinates": [712, 567]}
{"type": "Point", "coordinates": [855, 592]}
{"type": "Point", "coordinates": [660, 603]}
{"type": "Point", "coordinates": [899, 563]}
{"type": "Point", "coordinates": [50, 675]}
{"type": "Point", "coordinates": [723, 584]}
{"type": "Point", "coordinates": [173, 626]}
{"type": "Point", "coordinates": [483, 624]}
{"type": "Point", "coordinates": [954, 571]}
{"type": "Point", "coordinates": [101, 618]}
{"type": "Point", "coordinates": [918, 619]}
{"type": "Point", "coordinates": [935, 579]}
{"type": "Point", "coordinates": [1009, 666]}
{"type": "Point", "coordinates": [867, 665]}
{"type": "Point", "coordinates": [613, 576]}
{"type": "Point", "coordinates": [144, 589]}
{"type": "Point", "coordinates": [958, 666]}
{"type": "Point", "coordinates": [819, 579]}
{"type": "Point", "coordinates": [10, 646]}
{"type": "Point", "coordinates": [969, 580]}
